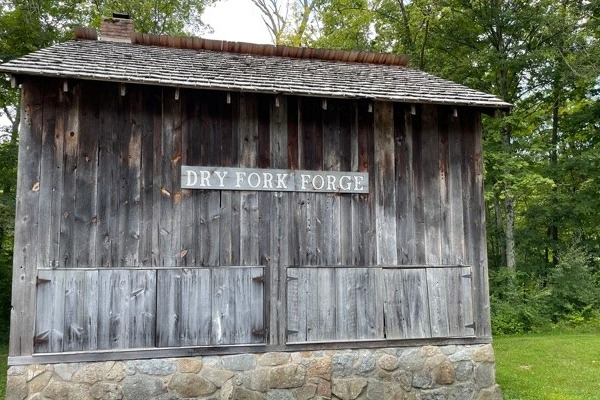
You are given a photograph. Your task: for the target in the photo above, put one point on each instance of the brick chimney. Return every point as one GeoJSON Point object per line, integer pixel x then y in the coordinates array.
{"type": "Point", "coordinates": [119, 28]}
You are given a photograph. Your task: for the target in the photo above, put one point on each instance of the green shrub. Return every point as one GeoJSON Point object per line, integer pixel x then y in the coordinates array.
{"type": "Point", "coordinates": [575, 293]}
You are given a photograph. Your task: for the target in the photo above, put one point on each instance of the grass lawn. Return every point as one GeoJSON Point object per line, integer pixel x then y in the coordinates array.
{"type": "Point", "coordinates": [3, 367]}
{"type": "Point", "coordinates": [562, 366]}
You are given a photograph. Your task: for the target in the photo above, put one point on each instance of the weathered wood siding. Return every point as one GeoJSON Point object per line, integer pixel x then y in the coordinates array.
{"type": "Point", "coordinates": [123, 257]}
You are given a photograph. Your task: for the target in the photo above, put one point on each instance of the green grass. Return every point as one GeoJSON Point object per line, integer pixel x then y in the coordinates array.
{"type": "Point", "coordinates": [563, 366]}
{"type": "Point", "coordinates": [3, 367]}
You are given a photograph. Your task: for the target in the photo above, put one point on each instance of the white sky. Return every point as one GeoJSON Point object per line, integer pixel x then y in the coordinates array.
{"type": "Point", "coordinates": [237, 21]}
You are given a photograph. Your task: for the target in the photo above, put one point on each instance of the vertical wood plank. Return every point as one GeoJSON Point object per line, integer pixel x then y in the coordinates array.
{"type": "Point", "coordinates": [169, 311]}
{"type": "Point", "coordinates": [142, 309]}
{"type": "Point", "coordinates": [149, 114]}
{"type": "Point", "coordinates": [27, 201]}
{"type": "Point", "coordinates": [363, 205]}
{"type": "Point", "coordinates": [90, 311]}
{"type": "Point", "coordinates": [385, 193]}
{"type": "Point", "coordinates": [276, 289]}
{"type": "Point", "coordinates": [439, 306]}
{"type": "Point", "coordinates": [330, 203]}
{"type": "Point", "coordinates": [108, 167]}
{"type": "Point", "coordinates": [405, 186]}
{"type": "Point", "coordinates": [455, 192]}
{"type": "Point", "coordinates": [394, 307]}
{"type": "Point", "coordinates": [49, 222]}
{"type": "Point", "coordinates": [418, 210]}
{"type": "Point", "coordinates": [85, 219]}
{"type": "Point", "coordinates": [74, 310]}
{"type": "Point", "coordinates": [431, 184]}
{"type": "Point", "coordinates": [114, 287]}
{"type": "Point", "coordinates": [248, 150]}
{"type": "Point", "coordinates": [69, 193]}
{"type": "Point", "coordinates": [414, 282]}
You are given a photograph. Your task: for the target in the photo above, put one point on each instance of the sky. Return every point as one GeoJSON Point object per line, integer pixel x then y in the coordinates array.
{"type": "Point", "coordinates": [237, 21]}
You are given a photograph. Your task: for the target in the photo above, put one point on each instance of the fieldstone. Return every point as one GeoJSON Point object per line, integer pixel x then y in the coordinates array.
{"type": "Point", "coordinates": [460, 355]}
{"type": "Point", "coordinates": [37, 384]}
{"type": "Point", "coordinates": [216, 376]}
{"type": "Point", "coordinates": [484, 354]}
{"type": "Point", "coordinates": [227, 390]}
{"type": "Point", "coordinates": [430, 351]}
{"type": "Point", "coordinates": [286, 376]}
{"type": "Point", "coordinates": [106, 391]}
{"type": "Point", "coordinates": [65, 371]}
{"type": "Point", "coordinates": [492, 393]}
{"type": "Point", "coordinates": [388, 362]}
{"type": "Point", "coordinates": [403, 378]}
{"type": "Point", "coordinates": [366, 364]}
{"type": "Point", "coordinates": [279, 394]}
{"type": "Point", "coordinates": [435, 361]}
{"type": "Point", "coordinates": [444, 374]}
{"type": "Point", "coordinates": [257, 380]}
{"type": "Point", "coordinates": [191, 385]}
{"type": "Point", "coordinates": [379, 390]}
{"type": "Point", "coordinates": [411, 359]}
{"type": "Point", "coordinates": [324, 388]}
{"type": "Point", "coordinates": [343, 364]}
{"type": "Point", "coordinates": [273, 359]}
{"type": "Point", "coordinates": [485, 375]}
{"type": "Point", "coordinates": [117, 373]}
{"type": "Point", "coordinates": [16, 387]}
{"type": "Point", "coordinates": [422, 380]}
{"type": "Point", "coordinates": [239, 362]}
{"type": "Point", "coordinates": [240, 393]}
{"type": "Point", "coordinates": [141, 387]}
{"type": "Point", "coordinates": [16, 370]}
{"type": "Point", "coordinates": [464, 370]}
{"type": "Point", "coordinates": [320, 367]}
{"type": "Point", "coordinates": [449, 349]}
{"type": "Point", "coordinates": [57, 390]}
{"type": "Point", "coordinates": [91, 373]}
{"type": "Point", "coordinates": [81, 392]}
{"type": "Point", "coordinates": [348, 389]}
{"type": "Point", "coordinates": [33, 371]}
{"type": "Point", "coordinates": [306, 392]}
{"type": "Point", "coordinates": [161, 367]}
{"type": "Point", "coordinates": [189, 365]}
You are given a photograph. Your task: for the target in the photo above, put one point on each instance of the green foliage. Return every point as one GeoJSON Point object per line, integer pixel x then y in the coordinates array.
{"type": "Point", "coordinates": [175, 17]}
{"type": "Point", "coordinates": [530, 302]}
{"type": "Point", "coordinates": [518, 303]}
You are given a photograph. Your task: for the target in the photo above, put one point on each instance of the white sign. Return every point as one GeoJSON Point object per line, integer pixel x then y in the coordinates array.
{"type": "Point", "coordinates": [276, 180]}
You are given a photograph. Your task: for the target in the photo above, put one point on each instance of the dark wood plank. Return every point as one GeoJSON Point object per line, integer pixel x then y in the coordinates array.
{"type": "Point", "coordinates": [405, 185]}
{"type": "Point", "coordinates": [431, 184]}
{"type": "Point", "coordinates": [69, 193]}
{"type": "Point", "coordinates": [49, 223]}
{"type": "Point", "coordinates": [108, 167]}
{"type": "Point", "coordinates": [385, 188]}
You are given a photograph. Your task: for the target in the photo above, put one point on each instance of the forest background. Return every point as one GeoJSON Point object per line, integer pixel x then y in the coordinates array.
{"type": "Point", "coordinates": [542, 160]}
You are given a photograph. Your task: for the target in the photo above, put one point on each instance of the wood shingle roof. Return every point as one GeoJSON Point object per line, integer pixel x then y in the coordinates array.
{"type": "Point", "coordinates": [222, 70]}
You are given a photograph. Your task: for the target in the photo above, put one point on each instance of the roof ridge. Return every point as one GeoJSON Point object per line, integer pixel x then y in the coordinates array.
{"type": "Point", "coordinates": [225, 46]}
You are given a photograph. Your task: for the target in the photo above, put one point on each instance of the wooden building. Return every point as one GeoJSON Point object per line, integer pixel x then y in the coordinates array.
{"type": "Point", "coordinates": [118, 257]}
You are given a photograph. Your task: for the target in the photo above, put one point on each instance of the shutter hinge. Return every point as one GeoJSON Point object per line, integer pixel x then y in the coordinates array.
{"type": "Point", "coordinates": [259, 279]}
{"type": "Point", "coordinates": [40, 281]}
{"type": "Point", "coordinates": [41, 338]}
{"type": "Point", "coordinates": [289, 331]}
{"type": "Point", "coordinates": [472, 326]}
{"type": "Point", "coordinates": [291, 278]}
{"type": "Point", "coordinates": [469, 275]}
{"type": "Point", "coordinates": [258, 332]}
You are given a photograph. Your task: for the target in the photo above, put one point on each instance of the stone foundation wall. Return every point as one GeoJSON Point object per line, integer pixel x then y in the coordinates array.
{"type": "Point", "coordinates": [417, 373]}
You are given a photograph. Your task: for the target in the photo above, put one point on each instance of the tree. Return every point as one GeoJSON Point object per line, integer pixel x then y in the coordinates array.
{"type": "Point", "coordinates": [290, 22]}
